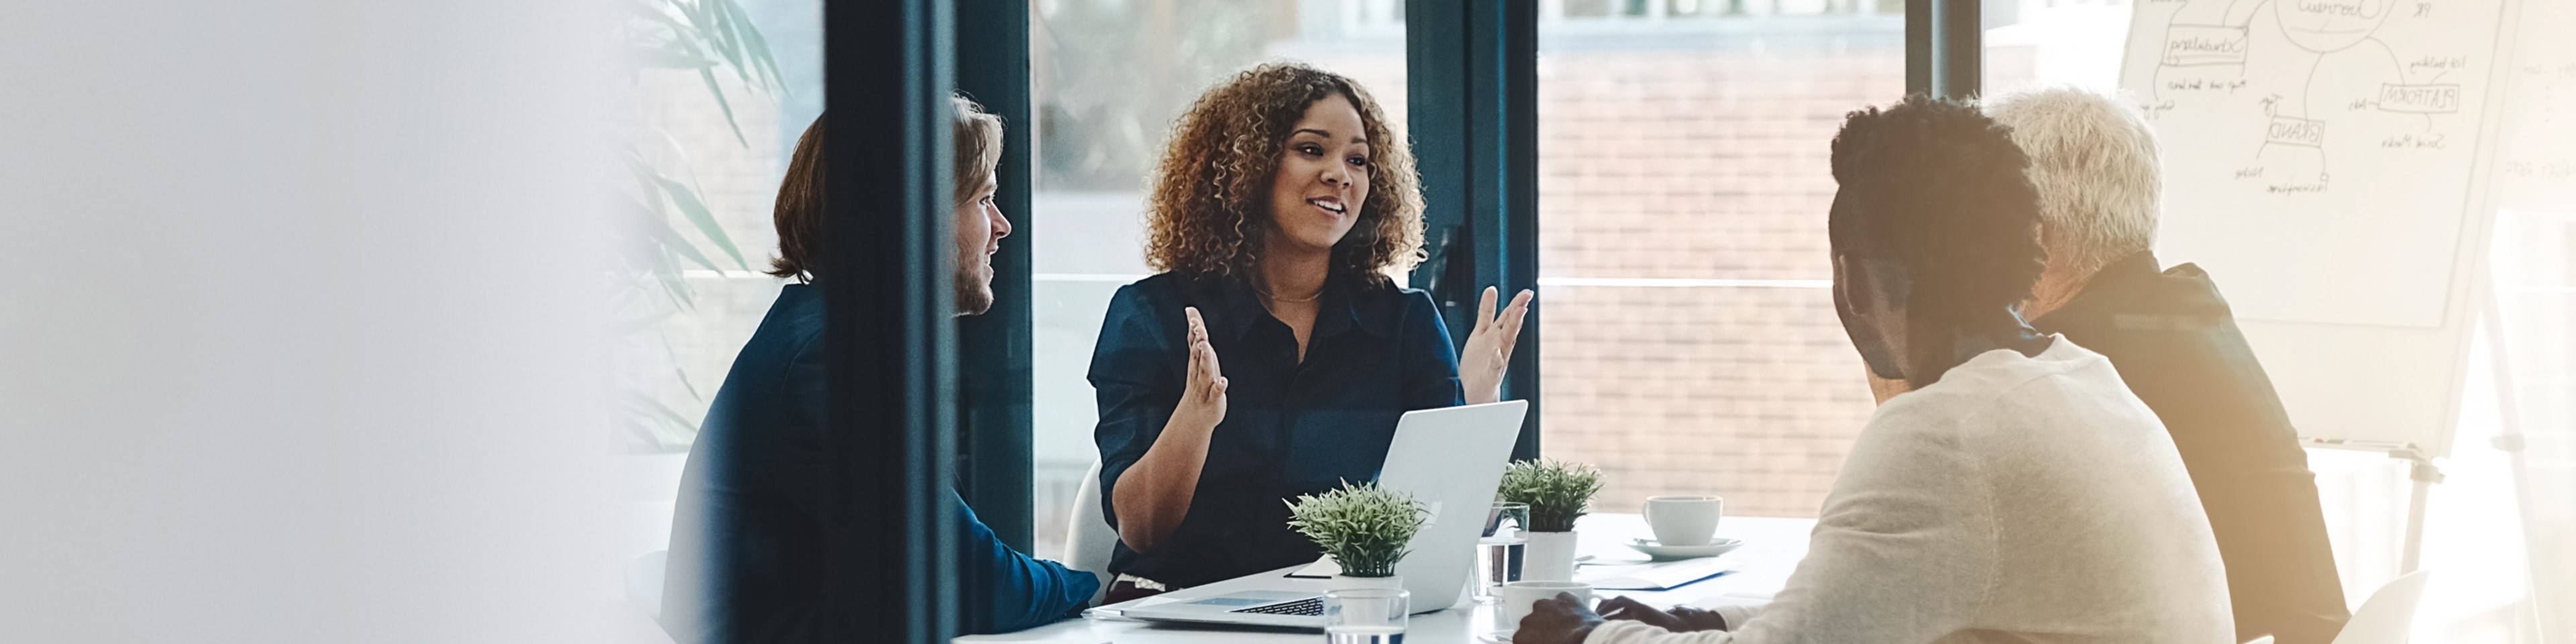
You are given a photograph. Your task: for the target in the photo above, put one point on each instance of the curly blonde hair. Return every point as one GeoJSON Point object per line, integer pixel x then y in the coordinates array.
{"type": "Point", "coordinates": [1209, 210]}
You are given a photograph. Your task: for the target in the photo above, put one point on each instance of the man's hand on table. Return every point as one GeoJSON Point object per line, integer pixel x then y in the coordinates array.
{"type": "Point", "coordinates": [1556, 620]}
{"type": "Point", "coordinates": [1681, 619]}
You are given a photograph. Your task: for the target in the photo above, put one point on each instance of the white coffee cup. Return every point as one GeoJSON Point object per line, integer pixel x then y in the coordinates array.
{"type": "Point", "coordinates": [1519, 595]}
{"type": "Point", "coordinates": [1684, 520]}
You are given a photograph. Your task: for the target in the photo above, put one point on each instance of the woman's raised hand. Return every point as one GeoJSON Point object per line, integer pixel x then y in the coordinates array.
{"type": "Point", "coordinates": [1203, 395]}
{"type": "Point", "coordinates": [1154, 494]}
{"type": "Point", "coordinates": [1489, 346]}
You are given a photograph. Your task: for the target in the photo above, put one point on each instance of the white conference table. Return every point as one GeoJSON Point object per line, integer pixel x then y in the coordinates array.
{"type": "Point", "coordinates": [1772, 548]}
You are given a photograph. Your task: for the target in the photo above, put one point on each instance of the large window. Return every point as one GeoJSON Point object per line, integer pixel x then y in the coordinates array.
{"type": "Point", "coordinates": [1691, 342]}
{"type": "Point", "coordinates": [1109, 77]}
{"type": "Point", "coordinates": [716, 93]}
{"type": "Point", "coordinates": [719, 90]}
{"type": "Point", "coordinates": [2062, 42]}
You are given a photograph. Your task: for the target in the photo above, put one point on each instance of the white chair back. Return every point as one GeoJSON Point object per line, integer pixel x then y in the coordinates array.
{"type": "Point", "coordinates": [644, 582]}
{"type": "Point", "coordinates": [1088, 539]}
{"type": "Point", "coordinates": [2389, 614]}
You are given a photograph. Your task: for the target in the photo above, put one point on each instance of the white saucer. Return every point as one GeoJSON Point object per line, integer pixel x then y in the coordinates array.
{"type": "Point", "coordinates": [1497, 637]}
{"type": "Point", "coordinates": [1715, 547]}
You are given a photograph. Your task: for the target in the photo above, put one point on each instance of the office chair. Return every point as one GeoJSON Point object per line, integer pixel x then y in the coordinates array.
{"type": "Point", "coordinates": [1088, 539]}
{"type": "Point", "coordinates": [2389, 615]}
{"type": "Point", "coordinates": [644, 582]}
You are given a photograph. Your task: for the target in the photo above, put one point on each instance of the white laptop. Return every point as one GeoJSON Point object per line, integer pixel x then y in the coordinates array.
{"type": "Point", "coordinates": [1450, 459]}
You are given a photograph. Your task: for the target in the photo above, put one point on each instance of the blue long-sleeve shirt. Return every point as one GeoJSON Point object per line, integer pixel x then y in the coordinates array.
{"type": "Point", "coordinates": [747, 540]}
{"type": "Point", "coordinates": [1291, 427]}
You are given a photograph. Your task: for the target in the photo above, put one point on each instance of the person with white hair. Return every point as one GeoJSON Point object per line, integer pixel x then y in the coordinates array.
{"type": "Point", "coordinates": [2009, 488]}
{"type": "Point", "coordinates": [2171, 336]}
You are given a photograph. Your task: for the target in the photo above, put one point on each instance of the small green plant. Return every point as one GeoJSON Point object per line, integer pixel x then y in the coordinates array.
{"type": "Point", "coordinates": [1364, 527]}
{"type": "Point", "coordinates": [1557, 492]}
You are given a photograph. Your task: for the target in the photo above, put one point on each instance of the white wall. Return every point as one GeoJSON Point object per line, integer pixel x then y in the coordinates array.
{"type": "Point", "coordinates": [299, 322]}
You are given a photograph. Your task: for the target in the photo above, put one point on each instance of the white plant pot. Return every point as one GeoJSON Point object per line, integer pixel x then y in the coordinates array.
{"type": "Point", "coordinates": [1549, 556]}
{"type": "Point", "coordinates": [1340, 582]}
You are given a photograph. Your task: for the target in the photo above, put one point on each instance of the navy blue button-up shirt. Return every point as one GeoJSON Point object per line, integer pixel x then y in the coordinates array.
{"type": "Point", "coordinates": [1291, 427]}
{"type": "Point", "coordinates": [748, 536]}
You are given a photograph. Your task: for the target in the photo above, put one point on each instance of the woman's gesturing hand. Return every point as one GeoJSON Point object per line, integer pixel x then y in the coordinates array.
{"type": "Point", "coordinates": [1154, 494]}
{"type": "Point", "coordinates": [1203, 395]}
{"type": "Point", "coordinates": [1489, 346]}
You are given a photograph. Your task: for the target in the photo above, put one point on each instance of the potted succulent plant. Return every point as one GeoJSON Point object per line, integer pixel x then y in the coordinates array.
{"type": "Point", "coordinates": [1363, 527]}
{"type": "Point", "coordinates": [1557, 493]}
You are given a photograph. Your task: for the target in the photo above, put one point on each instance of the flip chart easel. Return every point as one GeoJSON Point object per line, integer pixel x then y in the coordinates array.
{"type": "Point", "coordinates": [2423, 470]}
{"type": "Point", "coordinates": [2330, 162]}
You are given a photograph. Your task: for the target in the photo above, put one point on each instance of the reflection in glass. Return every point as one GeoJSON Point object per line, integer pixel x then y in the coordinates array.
{"type": "Point", "coordinates": [1366, 615]}
{"type": "Point", "coordinates": [1499, 549]}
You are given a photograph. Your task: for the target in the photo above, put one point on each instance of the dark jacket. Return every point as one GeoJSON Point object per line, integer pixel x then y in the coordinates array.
{"type": "Point", "coordinates": [2172, 338]}
{"type": "Point", "coordinates": [747, 539]}
{"type": "Point", "coordinates": [1290, 427]}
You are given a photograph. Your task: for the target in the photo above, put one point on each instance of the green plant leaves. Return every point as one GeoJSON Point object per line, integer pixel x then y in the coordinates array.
{"type": "Point", "coordinates": [1364, 527]}
{"type": "Point", "coordinates": [724, 105]}
{"type": "Point", "coordinates": [694, 36]}
{"type": "Point", "coordinates": [1556, 491]}
{"type": "Point", "coordinates": [672, 56]}
{"type": "Point", "coordinates": [697, 213]}
{"type": "Point", "coordinates": [702, 35]}
{"type": "Point", "coordinates": [660, 196]}
{"type": "Point", "coordinates": [650, 420]}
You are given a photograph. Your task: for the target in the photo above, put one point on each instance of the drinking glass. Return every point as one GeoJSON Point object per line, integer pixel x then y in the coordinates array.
{"type": "Point", "coordinates": [1365, 615]}
{"type": "Point", "coordinates": [1498, 551]}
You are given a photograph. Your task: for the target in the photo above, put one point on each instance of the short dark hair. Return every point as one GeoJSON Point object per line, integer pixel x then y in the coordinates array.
{"type": "Point", "coordinates": [1937, 187]}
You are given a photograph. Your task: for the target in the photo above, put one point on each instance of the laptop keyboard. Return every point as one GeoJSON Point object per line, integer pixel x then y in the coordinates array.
{"type": "Point", "coordinates": [1308, 607]}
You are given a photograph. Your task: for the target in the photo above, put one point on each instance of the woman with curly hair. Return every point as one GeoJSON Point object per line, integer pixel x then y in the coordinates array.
{"type": "Point", "coordinates": [1278, 212]}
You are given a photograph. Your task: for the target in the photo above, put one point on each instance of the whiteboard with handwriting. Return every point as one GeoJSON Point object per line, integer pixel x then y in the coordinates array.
{"type": "Point", "coordinates": [2536, 156]}
{"type": "Point", "coordinates": [2327, 161]}
{"type": "Point", "coordinates": [2302, 135]}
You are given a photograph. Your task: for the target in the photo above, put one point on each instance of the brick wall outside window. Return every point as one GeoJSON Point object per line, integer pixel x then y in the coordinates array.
{"type": "Point", "coordinates": [1699, 163]}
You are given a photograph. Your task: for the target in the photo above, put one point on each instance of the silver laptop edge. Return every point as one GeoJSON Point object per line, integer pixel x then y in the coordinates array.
{"type": "Point", "coordinates": [1451, 459]}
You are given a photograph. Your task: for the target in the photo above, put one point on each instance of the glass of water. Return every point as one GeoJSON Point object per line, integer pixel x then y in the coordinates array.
{"type": "Point", "coordinates": [1365, 615]}
{"type": "Point", "coordinates": [1498, 551]}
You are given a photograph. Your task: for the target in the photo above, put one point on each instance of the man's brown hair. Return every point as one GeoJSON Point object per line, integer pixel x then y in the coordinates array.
{"type": "Point", "coordinates": [799, 214]}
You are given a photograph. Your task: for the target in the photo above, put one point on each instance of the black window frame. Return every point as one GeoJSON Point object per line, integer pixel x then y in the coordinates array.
{"type": "Point", "coordinates": [890, 563]}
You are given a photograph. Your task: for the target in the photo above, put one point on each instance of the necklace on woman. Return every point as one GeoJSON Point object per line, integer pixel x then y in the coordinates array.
{"type": "Point", "coordinates": [1319, 292]}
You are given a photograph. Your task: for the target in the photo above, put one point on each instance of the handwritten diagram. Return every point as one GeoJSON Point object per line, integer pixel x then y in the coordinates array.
{"type": "Point", "coordinates": [2319, 153]}
{"type": "Point", "coordinates": [2536, 163]}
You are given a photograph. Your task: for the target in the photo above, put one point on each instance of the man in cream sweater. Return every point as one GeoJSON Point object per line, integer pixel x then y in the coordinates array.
{"type": "Point", "coordinates": [2009, 488]}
